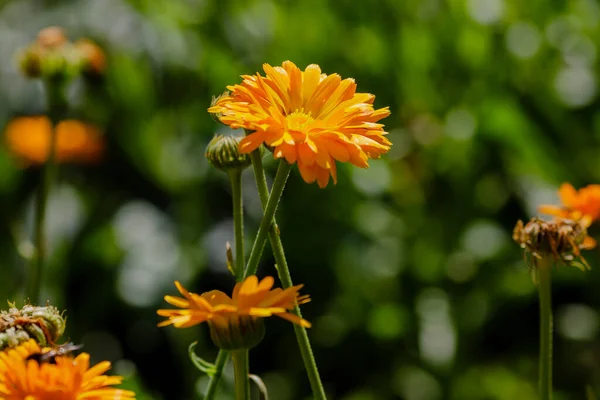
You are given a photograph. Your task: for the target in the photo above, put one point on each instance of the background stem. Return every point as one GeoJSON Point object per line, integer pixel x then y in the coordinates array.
{"type": "Point", "coordinates": [544, 274]}
{"type": "Point", "coordinates": [57, 106]}
{"type": "Point", "coordinates": [269, 204]}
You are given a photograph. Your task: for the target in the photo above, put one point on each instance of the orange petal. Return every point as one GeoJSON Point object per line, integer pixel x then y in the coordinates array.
{"type": "Point", "coordinates": [567, 194]}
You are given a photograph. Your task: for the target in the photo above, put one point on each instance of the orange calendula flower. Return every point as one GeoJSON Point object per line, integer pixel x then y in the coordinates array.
{"type": "Point", "coordinates": [307, 117]}
{"type": "Point", "coordinates": [65, 378]}
{"type": "Point", "coordinates": [235, 321]}
{"type": "Point", "coordinates": [575, 203]}
{"type": "Point", "coordinates": [29, 138]}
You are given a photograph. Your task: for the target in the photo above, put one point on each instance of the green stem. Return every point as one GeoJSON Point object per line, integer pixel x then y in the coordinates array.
{"type": "Point", "coordinates": [57, 106]}
{"type": "Point", "coordinates": [240, 373]}
{"type": "Point", "coordinates": [213, 383]}
{"type": "Point", "coordinates": [270, 203]}
{"type": "Point", "coordinates": [235, 176]}
{"type": "Point", "coordinates": [270, 206]}
{"type": "Point", "coordinates": [544, 275]}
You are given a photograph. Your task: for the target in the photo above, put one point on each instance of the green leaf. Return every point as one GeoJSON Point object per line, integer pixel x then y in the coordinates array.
{"type": "Point", "coordinates": [264, 395]}
{"type": "Point", "coordinates": [204, 366]}
{"type": "Point", "coordinates": [229, 259]}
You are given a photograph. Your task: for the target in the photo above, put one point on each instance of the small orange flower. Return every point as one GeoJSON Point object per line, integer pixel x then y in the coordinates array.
{"type": "Point", "coordinates": [29, 138]}
{"type": "Point", "coordinates": [67, 379]}
{"type": "Point", "coordinates": [308, 117]}
{"type": "Point", "coordinates": [94, 60]}
{"type": "Point", "coordinates": [250, 298]}
{"type": "Point", "coordinates": [575, 204]}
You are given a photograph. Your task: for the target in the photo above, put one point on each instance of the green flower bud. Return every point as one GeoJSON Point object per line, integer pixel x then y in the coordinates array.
{"type": "Point", "coordinates": [240, 332]}
{"type": "Point", "coordinates": [223, 153]}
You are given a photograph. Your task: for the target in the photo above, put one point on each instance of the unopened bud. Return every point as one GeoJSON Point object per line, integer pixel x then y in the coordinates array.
{"type": "Point", "coordinates": [216, 116]}
{"type": "Point", "coordinates": [223, 153]}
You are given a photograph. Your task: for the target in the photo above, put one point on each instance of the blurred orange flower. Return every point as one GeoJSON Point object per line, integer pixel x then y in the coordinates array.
{"type": "Point", "coordinates": [29, 139]}
{"type": "Point", "coordinates": [575, 203]}
{"type": "Point", "coordinates": [66, 378]}
{"type": "Point", "coordinates": [308, 117]}
{"type": "Point", "coordinates": [251, 298]}
{"type": "Point", "coordinates": [94, 60]}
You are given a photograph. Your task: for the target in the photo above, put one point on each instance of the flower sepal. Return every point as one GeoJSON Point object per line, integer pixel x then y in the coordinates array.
{"type": "Point", "coordinates": [239, 332]}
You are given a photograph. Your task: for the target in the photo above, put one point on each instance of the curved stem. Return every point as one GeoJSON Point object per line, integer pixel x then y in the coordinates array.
{"type": "Point", "coordinates": [235, 176]}
{"type": "Point", "coordinates": [213, 383]}
{"type": "Point", "coordinates": [269, 206]}
{"type": "Point", "coordinates": [240, 372]}
{"type": "Point", "coordinates": [544, 275]}
{"type": "Point", "coordinates": [57, 106]}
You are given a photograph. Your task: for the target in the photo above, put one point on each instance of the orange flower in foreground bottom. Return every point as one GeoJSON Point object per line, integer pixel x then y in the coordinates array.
{"type": "Point", "coordinates": [234, 321]}
{"type": "Point", "coordinates": [29, 138]}
{"type": "Point", "coordinates": [575, 204]}
{"type": "Point", "coordinates": [308, 117]}
{"type": "Point", "coordinates": [67, 379]}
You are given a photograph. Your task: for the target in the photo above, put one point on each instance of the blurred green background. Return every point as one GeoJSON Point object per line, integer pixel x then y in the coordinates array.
{"type": "Point", "coordinates": [418, 291]}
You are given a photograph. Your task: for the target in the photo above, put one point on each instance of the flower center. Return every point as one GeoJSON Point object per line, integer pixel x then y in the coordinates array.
{"type": "Point", "coordinates": [298, 121]}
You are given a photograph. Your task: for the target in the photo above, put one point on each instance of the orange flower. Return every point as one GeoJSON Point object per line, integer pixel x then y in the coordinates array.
{"type": "Point", "coordinates": [308, 117]}
{"type": "Point", "coordinates": [29, 138]}
{"type": "Point", "coordinates": [94, 60]}
{"type": "Point", "coordinates": [250, 298]}
{"type": "Point", "coordinates": [575, 204]}
{"type": "Point", "coordinates": [67, 379]}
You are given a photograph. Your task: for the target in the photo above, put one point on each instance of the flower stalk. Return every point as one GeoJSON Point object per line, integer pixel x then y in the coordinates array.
{"type": "Point", "coordinates": [57, 106]}
{"type": "Point", "coordinates": [240, 371]}
{"type": "Point", "coordinates": [268, 223]}
{"type": "Point", "coordinates": [544, 275]}
{"type": "Point", "coordinates": [213, 383]}
{"type": "Point", "coordinates": [235, 178]}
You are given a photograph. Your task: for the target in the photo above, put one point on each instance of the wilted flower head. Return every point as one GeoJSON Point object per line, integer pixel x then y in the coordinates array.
{"type": "Point", "coordinates": [307, 117]}
{"type": "Point", "coordinates": [23, 377]}
{"type": "Point", "coordinates": [561, 239]}
{"type": "Point", "coordinates": [575, 203]}
{"type": "Point", "coordinates": [29, 139]}
{"type": "Point", "coordinates": [43, 324]}
{"type": "Point", "coordinates": [235, 322]}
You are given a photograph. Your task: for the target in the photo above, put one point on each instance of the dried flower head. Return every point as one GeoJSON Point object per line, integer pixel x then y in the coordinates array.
{"type": "Point", "coordinates": [575, 203]}
{"type": "Point", "coordinates": [235, 322]}
{"type": "Point", "coordinates": [29, 139]}
{"type": "Point", "coordinates": [64, 377]}
{"type": "Point", "coordinates": [561, 239]}
{"type": "Point", "coordinates": [43, 324]}
{"type": "Point", "coordinates": [307, 117]}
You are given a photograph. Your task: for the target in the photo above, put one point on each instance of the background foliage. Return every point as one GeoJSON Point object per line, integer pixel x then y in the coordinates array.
{"type": "Point", "coordinates": [418, 291]}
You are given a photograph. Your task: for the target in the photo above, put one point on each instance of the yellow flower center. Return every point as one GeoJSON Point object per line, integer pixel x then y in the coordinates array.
{"type": "Point", "coordinates": [298, 121]}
